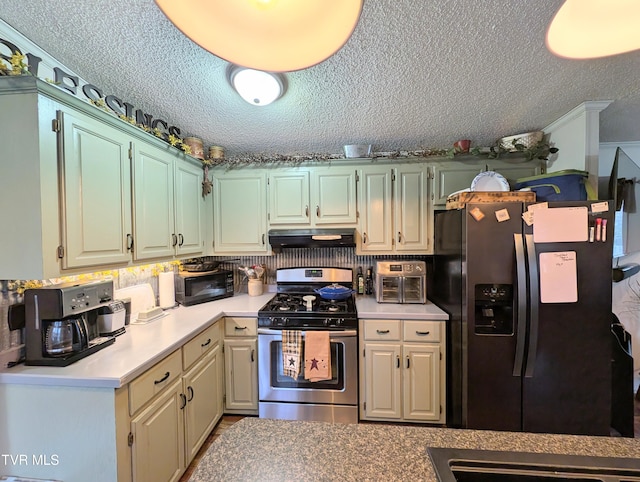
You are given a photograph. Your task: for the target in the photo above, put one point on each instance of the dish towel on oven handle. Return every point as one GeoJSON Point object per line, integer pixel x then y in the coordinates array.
{"type": "Point", "coordinates": [291, 348]}
{"type": "Point", "coordinates": [317, 356]}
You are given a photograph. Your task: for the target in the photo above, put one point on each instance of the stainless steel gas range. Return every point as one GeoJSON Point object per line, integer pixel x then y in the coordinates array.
{"type": "Point", "coordinates": [298, 307]}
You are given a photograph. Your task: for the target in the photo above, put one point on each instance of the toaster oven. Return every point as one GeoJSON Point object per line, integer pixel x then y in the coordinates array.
{"type": "Point", "coordinates": [401, 282]}
{"type": "Point", "coordinates": [193, 287]}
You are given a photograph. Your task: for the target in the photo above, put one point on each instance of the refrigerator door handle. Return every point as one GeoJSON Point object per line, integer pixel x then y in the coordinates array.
{"type": "Point", "coordinates": [534, 292]}
{"type": "Point", "coordinates": [521, 312]}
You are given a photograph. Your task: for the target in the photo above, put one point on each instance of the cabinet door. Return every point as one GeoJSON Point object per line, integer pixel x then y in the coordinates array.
{"type": "Point", "coordinates": [241, 374]}
{"type": "Point", "coordinates": [189, 207]}
{"type": "Point", "coordinates": [421, 382]}
{"type": "Point", "coordinates": [453, 177]}
{"type": "Point", "coordinates": [411, 209]}
{"type": "Point", "coordinates": [239, 212]}
{"type": "Point", "coordinates": [382, 380]}
{"type": "Point", "coordinates": [333, 195]}
{"type": "Point", "coordinates": [204, 401]}
{"type": "Point", "coordinates": [155, 234]}
{"type": "Point", "coordinates": [158, 438]}
{"type": "Point", "coordinates": [97, 192]}
{"type": "Point", "coordinates": [289, 198]}
{"type": "Point", "coordinates": [376, 216]}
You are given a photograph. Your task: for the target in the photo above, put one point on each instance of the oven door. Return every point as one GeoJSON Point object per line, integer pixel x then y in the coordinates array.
{"type": "Point", "coordinates": [275, 386]}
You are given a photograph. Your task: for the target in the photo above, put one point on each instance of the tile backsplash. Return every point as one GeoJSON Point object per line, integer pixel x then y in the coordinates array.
{"type": "Point", "coordinates": [11, 290]}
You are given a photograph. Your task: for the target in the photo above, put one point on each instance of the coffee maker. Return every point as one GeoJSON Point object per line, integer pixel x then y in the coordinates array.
{"type": "Point", "coordinates": [61, 322]}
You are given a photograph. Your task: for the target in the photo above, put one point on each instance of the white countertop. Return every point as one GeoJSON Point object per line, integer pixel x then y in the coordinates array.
{"type": "Point", "coordinates": [139, 348]}
{"type": "Point", "coordinates": [368, 308]}
{"type": "Point", "coordinates": [144, 345]}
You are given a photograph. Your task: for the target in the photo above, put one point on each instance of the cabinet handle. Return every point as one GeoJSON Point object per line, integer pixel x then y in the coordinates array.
{"type": "Point", "coordinates": [240, 328]}
{"type": "Point", "coordinates": [407, 362]}
{"type": "Point", "coordinates": [184, 401]}
{"type": "Point", "coordinates": [397, 361]}
{"type": "Point", "coordinates": [129, 242]}
{"type": "Point", "coordinates": [263, 238]}
{"type": "Point", "coordinates": [317, 211]}
{"type": "Point", "coordinates": [253, 355]}
{"type": "Point", "coordinates": [306, 211]}
{"type": "Point", "coordinates": [399, 236]}
{"type": "Point", "coordinates": [364, 238]}
{"type": "Point", "coordinates": [166, 375]}
{"type": "Point", "coordinates": [422, 333]}
{"type": "Point", "coordinates": [174, 240]}
{"type": "Point", "coordinates": [190, 390]}
{"type": "Point", "coordinates": [181, 238]}
{"type": "Point", "coordinates": [206, 342]}
{"type": "Point", "coordinates": [382, 332]}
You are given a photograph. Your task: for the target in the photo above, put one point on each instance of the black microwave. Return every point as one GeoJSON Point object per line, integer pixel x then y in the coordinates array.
{"type": "Point", "coordinates": [194, 288]}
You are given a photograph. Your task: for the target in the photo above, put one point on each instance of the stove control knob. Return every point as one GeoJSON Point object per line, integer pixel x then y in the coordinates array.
{"type": "Point", "coordinates": [339, 322]}
{"type": "Point", "coordinates": [325, 322]}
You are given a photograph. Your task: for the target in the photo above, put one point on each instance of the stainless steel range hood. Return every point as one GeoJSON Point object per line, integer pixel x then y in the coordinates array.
{"type": "Point", "coordinates": [311, 238]}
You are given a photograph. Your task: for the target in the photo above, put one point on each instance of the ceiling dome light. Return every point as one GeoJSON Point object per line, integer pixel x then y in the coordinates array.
{"type": "Point", "coordinates": [256, 87]}
{"type": "Point", "coordinates": [269, 35]}
{"type": "Point", "coordinates": [586, 29]}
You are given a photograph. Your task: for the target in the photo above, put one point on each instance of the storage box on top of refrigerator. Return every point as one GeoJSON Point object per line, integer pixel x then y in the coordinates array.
{"type": "Point", "coordinates": [529, 342]}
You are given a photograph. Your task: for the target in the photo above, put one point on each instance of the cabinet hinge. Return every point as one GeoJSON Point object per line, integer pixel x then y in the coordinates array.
{"type": "Point", "coordinates": [130, 154]}
{"type": "Point", "coordinates": [130, 439]}
{"type": "Point", "coordinates": [55, 125]}
{"type": "Point", "coordinates": [60, 252]}
{"type": "Point", "coordinates": [430, 173]}
{"type": "Point", "coordinates": [268, 216]}
{"type": "Point", "coordinates": [441, 409]}
{"type": "Point", "coordinates": [224, 399]}
{"type": "Point", "coordinates": [364, 352]}
{"type": "Point", "coordinates": [440, 356]}
{"type": "Point", "coordinates": [364, 405]}
{"type": "Point", "coordinates": [357, 177]}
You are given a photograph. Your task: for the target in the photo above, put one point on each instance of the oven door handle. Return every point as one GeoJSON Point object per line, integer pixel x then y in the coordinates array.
{"type": "Point", "coordinates": [333, 333]}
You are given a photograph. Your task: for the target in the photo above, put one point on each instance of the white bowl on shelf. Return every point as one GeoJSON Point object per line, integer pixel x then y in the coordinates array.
{"type": "Point", "coordinates": [357, 150]}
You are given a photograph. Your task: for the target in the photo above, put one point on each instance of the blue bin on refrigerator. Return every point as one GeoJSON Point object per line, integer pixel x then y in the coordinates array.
{"type": "Point", "coordinates": [567, 185]}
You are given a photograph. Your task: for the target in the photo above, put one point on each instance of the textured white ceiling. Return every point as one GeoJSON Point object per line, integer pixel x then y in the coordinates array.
{"type": "Point", "coordinates": [415, 74]}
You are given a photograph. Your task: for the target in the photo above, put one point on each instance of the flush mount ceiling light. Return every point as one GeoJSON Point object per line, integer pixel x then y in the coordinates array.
{"type": "Point", "coordinates": [586, 29]}
{"type": "Point", "coordinates": [255, 86]}
{"type": "Point", "coordinates": [269, 35]}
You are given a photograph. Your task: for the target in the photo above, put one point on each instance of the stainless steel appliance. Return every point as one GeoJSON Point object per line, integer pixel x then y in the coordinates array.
{"type": "Point", "coordinates": [519, 357]}
{"type": "Point", "coordinates": [112, 318]}
{"type": "Point", "coordinates": [401, 282]}
{"type": "Point", "coordinates": [199, 287]}
{"type": "Point", "coordinates": [61, 325]}
{"type": "Point", "coordinates": [296, 306]}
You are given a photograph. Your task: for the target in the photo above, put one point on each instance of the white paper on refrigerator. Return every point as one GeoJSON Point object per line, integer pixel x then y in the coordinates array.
{"type": "Point", "coordinates": [558, 277]}
{"type": "Point", "coordinates": [561, 225]}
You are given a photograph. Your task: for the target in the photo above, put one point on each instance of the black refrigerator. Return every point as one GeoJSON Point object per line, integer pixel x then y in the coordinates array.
{"type": "Point", "coordinates": [529, 341]}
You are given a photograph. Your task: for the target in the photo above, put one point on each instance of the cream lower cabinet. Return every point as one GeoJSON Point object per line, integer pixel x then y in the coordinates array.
{"type": "Point", "coordinates": [241, 365]}
{"type": "Point", "coordinates": [402, 370]}
{"type": "Point", "coordinates": [174, 406]}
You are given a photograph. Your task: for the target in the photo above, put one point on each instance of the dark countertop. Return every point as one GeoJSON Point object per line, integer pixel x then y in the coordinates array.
{"type": "Point", "coordinates": [256, 449]}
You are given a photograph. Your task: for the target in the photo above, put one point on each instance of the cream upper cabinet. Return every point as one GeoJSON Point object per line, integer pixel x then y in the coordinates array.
{"type": "Point", "coordinates": [70, 173]}
{"type": "Point", "coordinates": [239, 212]}
{"type": "Point", "coordinates": [289, 201]}
{"type": "Point", "coordinates": [313, 197]}
{"type": "Point", "coordinates": [376, 217]}
{"type": "Point", "coordinates": [167, 204]}
{"type": "Point", "coordinates": [96, 192]}
{"type": "Point", "coordinates": [333, 196]}
{"type": "Point", "coordinates": [454, 175]}
{"type": "Point", "coordinates": [396, 214]}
